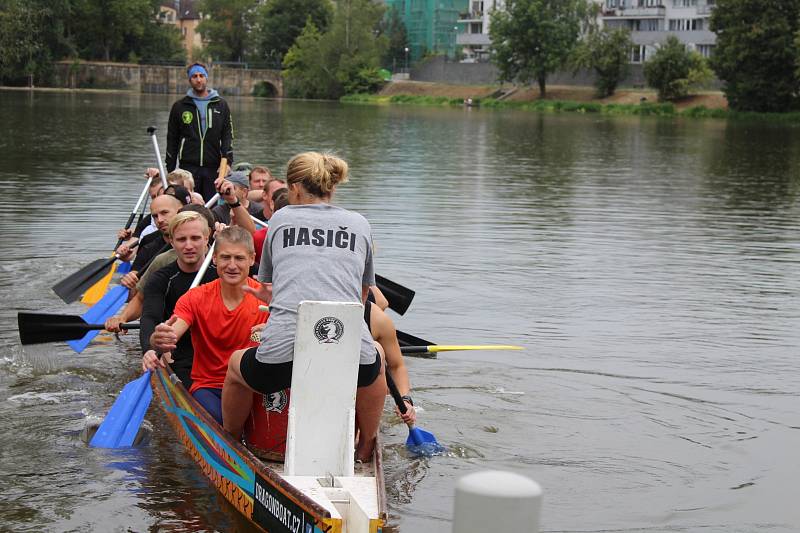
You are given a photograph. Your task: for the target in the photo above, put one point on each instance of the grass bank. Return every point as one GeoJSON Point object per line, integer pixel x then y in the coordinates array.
{"type": "Point", "coordinates": [562, 99]}
{"type": "Point", "coordinates": [568, 106]}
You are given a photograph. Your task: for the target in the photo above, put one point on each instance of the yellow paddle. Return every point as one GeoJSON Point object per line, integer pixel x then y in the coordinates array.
{"type": "Point", "coordinates": [434, 348]}
{"type": "Point", "coordinates": [98, 290]}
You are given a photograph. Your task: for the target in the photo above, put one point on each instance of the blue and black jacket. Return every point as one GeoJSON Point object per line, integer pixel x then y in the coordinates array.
{"type": "Point", "coordinates": [186, 143]}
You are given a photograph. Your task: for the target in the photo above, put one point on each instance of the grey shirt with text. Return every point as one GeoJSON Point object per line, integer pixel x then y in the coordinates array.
{"type": "Point", "coordinates": [313, 252]}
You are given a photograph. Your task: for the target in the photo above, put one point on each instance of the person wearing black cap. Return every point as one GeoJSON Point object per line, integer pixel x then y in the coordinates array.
{"type": "Point", "coordinates": [241, 186]}
{"type": "Point", "coordinates": [200, 132]}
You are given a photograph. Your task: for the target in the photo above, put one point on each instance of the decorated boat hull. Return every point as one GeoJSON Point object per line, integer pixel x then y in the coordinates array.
{"type": "Point", "coordinates": [254, 487]}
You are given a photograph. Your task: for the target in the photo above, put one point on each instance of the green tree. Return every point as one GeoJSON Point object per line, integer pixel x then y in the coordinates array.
{"type": "Point", "coordinates": [756, 53]}
{"type": "Point", "coordinates": [105, 29]}
{"type": "Point", "coordinates": [305, 71]}
{"type": "Point", "coordinates": [534, 38]}
{"type": "Point", "coordinates": [226, 28]}
{"type": "Point", "coordinates": [607, 52]}
{"type": "Point", "coordinates": [674, 70]}
{"type": "Point", "coordinates": [395, 31]}
{"type": "Point", "coordinates": [21, 49]}
{"type": "Point", "coordinates": [161, 42]}
{"type": "Point", "coordinates": [280, 22]}
{"type": "Point", "coordinates": [344, 59]}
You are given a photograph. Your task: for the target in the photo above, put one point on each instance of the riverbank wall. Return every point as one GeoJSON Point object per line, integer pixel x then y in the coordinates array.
{"type": "Point", "coordinates": [164, 79]}
{"type": "Point", "coordinates": [440, 69]}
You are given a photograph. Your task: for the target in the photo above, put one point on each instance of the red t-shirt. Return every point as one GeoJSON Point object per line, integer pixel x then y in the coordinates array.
{"type": "Point", "coordinates": [217, 331]}
{"type": "Point", "coordinates": [258, 241]}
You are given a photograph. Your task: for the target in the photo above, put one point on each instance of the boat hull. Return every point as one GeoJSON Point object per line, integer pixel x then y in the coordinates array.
{"type": "Point", "coordinates": [258, 492]}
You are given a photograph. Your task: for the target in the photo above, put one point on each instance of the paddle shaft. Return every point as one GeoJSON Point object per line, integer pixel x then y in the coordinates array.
{"type": "Point", "coordinates": [434, 348]}
{"type": "Point", "coordinates": [136, 209]}
{"type": "Point", "coordinates": [203, 267]}
{"type": "Point", "coordinates": [163, 173]}
{"type": "Point", "coordinates": [396, 396]}
{"type": "Point", "coordinates": [409, 350]}
{"type": "Point", "coordinates": [38, 328]}
{"type": "Point", "coordinates": [213, 201]}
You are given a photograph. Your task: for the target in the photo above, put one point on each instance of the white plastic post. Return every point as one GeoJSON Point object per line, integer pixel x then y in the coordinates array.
{"type": "Point", "coordinates": [321, 427]}
{"type": "Point", "coordinates": [496, 501]}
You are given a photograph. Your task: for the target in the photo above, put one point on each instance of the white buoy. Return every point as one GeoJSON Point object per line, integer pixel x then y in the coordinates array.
{"type": "Point", "coordinates": [497, 502]}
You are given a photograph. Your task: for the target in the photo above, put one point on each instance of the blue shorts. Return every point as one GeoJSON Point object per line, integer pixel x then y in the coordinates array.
{"type": "Point", "coordinates": [211, 400]}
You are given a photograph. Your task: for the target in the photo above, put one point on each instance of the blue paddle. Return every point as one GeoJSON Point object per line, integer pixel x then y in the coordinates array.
{"type": "Point", "coordinates": [121, 424]}
{"type": "Point", "coordinates": [105, 308]}
{"type": "Point", "coordinates": [419, 441]}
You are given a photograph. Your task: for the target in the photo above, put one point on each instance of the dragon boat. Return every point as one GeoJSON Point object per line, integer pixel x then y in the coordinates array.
{"type": "Point", "coordinates": [307, 481]}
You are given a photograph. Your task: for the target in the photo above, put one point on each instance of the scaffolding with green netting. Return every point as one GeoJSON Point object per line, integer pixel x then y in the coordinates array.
{"type": "Point", "coordinates": [431, 25]}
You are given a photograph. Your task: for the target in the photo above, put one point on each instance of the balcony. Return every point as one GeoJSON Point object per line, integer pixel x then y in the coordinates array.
{"type": "Point", "coordinates": [473, 39]}
{"type": "Point", "coordinates": [638, 12]}
{"type": "Point", "coordinates": [705, 10]}
{"type": "Point", "coordinates": [474, 16]}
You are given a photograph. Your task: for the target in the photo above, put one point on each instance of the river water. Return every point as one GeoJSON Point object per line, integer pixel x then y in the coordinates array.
{"type": "Point", "coordinates": [649, 267]}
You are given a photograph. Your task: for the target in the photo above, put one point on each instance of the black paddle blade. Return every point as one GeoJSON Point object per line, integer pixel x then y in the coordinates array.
{"type": "Point", "coordinates": [405, 339]}
{"type": "Point", "coordinates": [72, 287]}
{"type": "Point", "coordinates": [399, 297]}
{"type": "Point", "coordinates": [38, 328]}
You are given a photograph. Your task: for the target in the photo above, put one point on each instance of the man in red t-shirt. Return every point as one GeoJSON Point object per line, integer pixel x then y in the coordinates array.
{"type": "Point", "coordinates": [220, 315]}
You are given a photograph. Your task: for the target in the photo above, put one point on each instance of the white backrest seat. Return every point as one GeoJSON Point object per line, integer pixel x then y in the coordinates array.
{"type": "Point", "coordinates": [321, 426]}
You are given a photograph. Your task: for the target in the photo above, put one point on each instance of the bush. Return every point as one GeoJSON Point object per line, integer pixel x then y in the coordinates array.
{"type": "Point", "coordinates": [607, 52]}
{"type": "Point", "coordinates": [674, 70]}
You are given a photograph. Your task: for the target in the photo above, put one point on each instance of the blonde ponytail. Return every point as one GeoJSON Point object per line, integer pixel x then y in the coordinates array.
{"type": "Point", "coordinates": [318, 172]}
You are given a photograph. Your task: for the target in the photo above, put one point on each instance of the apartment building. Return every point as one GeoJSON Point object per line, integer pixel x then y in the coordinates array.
{"type": "Point", "coordinates": [473, 32]}
{"type": "Point", "coordinates": [652, 21]}
{"type": "Point", "coordinates": [473, 37]}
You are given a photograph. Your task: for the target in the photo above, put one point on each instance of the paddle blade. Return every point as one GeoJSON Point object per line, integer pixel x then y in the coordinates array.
{"type": "Point", "coordinates": [420, 442]}
{"type": "Point", "coordinates": [96, 291]}
{"type": "Point", "coordinates": [399, 297]}
{"type": "Point", "coordinates": [70, 288]}
{"type": "Point", "coordinates": [124, 267]}
{"type": "Point", "coordinates": [119, 428]}
{"type": "Point", "coordinates": [406, 339]}
{"type": "Point", "coordinates": [98, 314]}
{"type": "Point", "coordinates": [38, 328]}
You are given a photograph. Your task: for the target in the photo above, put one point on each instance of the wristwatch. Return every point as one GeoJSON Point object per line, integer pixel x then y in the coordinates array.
{"type": "Point", "coordinates": [237, 204]}
{"type": "Point", "coordinates": [407, 398]}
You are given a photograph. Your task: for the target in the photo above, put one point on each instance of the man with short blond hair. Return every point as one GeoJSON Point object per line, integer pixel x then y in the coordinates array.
{"type": "Point", "coordinates": [189, 234]}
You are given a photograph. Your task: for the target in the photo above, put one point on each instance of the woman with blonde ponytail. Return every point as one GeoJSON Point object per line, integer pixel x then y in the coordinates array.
{"type": "Point", "coordinates": [314, 251]}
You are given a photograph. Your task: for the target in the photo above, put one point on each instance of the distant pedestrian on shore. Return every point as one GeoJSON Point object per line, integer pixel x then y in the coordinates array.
{"type": "Point", "coordinates": [200, 132]}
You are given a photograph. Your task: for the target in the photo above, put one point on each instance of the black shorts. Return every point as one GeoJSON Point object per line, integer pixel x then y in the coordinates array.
{"type": "Point", "coordinates": [267, 378]}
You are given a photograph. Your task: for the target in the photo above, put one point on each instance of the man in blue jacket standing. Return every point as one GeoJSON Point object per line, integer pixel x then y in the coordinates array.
{"type": "Point", "coordinates": [200, 132]}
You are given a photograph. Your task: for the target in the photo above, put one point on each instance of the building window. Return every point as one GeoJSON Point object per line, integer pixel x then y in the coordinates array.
{"type": "Point", "coordinates": [645, 25]}
{"type": "Point", "coordinates": [638, 54]}
{"type": "Point", "coordinates": [705, 50]}
{"type": "Point", "coordinates": [685, 24]}
{"type": "Point", "coordinates": [684, 3]}
{"type": "Point", "coordinates": [476, 27]}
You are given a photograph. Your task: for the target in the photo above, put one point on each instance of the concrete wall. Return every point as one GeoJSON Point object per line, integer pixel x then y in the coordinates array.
{"type": "Point", "coordinates": [160, 79]}
{"type": "Point", "coordinates": [439, 69]}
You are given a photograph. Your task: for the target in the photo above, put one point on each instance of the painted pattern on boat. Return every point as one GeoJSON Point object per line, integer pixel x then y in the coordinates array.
{"type": "Point", "coordinates": [258, 494]}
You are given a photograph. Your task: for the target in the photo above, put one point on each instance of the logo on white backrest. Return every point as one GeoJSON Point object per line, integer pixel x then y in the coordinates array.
{"type": "Point", "coordinates": [275, 401]}
{"type": "Point", "coordinates": [329, 330]}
